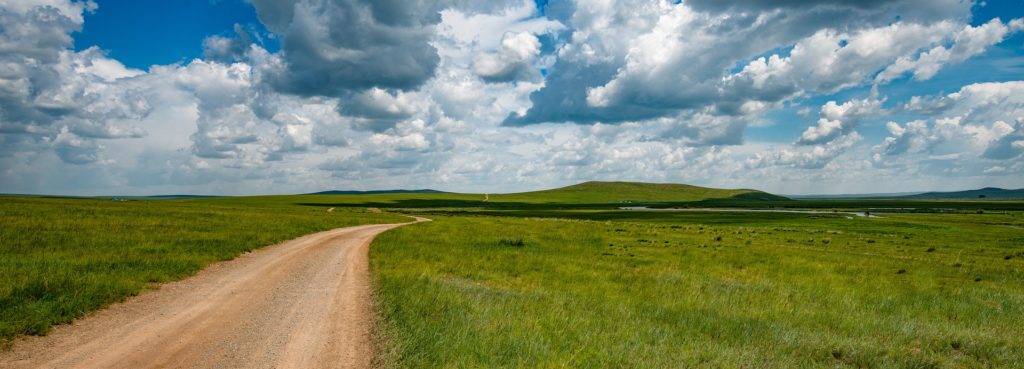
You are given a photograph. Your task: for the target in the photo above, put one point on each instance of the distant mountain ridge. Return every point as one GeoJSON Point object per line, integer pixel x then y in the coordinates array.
{"type": "Point", "coordinates": [373, 192]}
{"type": "Point", "coordinates": [983, 193]}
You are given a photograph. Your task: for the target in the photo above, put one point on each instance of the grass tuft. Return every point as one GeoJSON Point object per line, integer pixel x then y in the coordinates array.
{"type": "Point", "coordinates": [512, 241]}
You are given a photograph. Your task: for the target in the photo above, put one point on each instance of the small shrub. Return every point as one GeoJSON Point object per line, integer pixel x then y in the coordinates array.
{"type": "Point", "coordinates": [930, 249]}
{"type": "Point", "coordinates": [901, 271]}
{"type": "Point", "coordinates": [871, 241]}
{"type": "Point", "coordinates": [956, 345]}
{"type": "Point", "coordinates": [512, 241]}
{"type": "Point", "coordinates": [977, 279]}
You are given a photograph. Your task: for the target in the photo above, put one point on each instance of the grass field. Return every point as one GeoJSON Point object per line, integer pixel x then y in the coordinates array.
{"type": "Point", "coordinates": [707, 290]}
{"type": "Point", "coordinates": [602, 195]}
{"type": "Point", "coordinates": [562, 278]}
{"type": "Point", "coordinates": [61, 258]}
{"type": "Point", "coordinates": [630, 192]}
{"type": "Point", "coordinates": [612, 195]}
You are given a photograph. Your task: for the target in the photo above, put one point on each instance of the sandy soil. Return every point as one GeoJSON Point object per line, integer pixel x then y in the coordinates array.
{"type": "Point", "coordinates": [305, 303]}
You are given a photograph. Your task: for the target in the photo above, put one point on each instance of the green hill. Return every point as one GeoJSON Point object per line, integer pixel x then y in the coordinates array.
{"type": "Point", "coordinates": [374, 192]}
{"type": "Point", "coordinates": [631, 192]}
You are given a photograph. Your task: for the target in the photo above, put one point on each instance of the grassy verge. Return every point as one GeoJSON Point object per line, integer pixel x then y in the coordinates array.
{"type": "Point", "coordinates": [703, 291]}
{"type": "Point", "coordinates": [62, 258]}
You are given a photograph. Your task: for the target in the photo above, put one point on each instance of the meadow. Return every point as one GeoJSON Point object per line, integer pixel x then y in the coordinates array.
{"type": "Point", "coordinates": [702, 290]}
{"type": "Point", "coordinates": [61, 258]}
{"type": "Point", "coordinates": [564, 278]}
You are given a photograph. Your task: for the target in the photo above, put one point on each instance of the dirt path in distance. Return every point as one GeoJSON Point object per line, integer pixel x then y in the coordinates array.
{"type": "Point", "coordinates": [304, 303]}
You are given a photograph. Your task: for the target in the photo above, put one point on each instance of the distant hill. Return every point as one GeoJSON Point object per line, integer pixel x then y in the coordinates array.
{"type": "Point", "coordinates": [176, 197]}
{"type": "Point", "coordinates": [632, 192]}
{"type": "Point", "coordinates": [984, 193]}
{"type": "Point", "coordinates": [376, 192]}
{"type": "Point", "coordinates": [854, 196]}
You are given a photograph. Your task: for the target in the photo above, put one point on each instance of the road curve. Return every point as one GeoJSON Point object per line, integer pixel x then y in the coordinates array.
{"type": "Point", "coordinates": [304, 303]}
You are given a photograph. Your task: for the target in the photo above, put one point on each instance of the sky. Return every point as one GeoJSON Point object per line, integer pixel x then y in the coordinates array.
{"type": "Point", "coordinates": [243, 97]}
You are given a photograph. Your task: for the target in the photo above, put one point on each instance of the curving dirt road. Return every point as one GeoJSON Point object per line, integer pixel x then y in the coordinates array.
{"type": "Point", "coordinates": [304, 303]}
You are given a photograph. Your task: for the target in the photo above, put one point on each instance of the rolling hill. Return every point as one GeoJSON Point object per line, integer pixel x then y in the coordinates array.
{"type": "Point", "coordinates": [983, 193]}
{"type": "Point", "coordinates": [373, 192]}
{"type": "Point", "coordinates": [588, 194]}
{"type": "Point", "coordinates": [595, 192]}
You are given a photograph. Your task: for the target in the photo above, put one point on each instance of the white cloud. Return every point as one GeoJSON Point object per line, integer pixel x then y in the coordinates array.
{"type": "Point", "coordinates": [636, 61]}
{"type": "Point", "coordinates": [976, 127]}
{"type": "Point", "coordinates": [807, 157]}
{"type": "Point", "coordinates": [58, 97]}
{"type": "Point", "coordinates": [485, 31]}
{"type": "Point", "coordinates": [840, 119]}
{"type": "Point", "coordinates": [830, 61]}
{"type": "Point", "coordinates": [966, 42]}
{"type": "Point", "coordinates": [510, 62]}
{"type": "Point", "coordinates": [665, 92]}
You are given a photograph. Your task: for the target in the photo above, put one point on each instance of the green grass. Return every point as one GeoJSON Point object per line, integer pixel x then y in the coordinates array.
{"type": "Point", "coordinates": [706, 290]}
{"type": "Point", "coordinates": [518, 281]}
{"type": "Point", "coordinates": [62, 258]}
{"type": "Point", "coordinates": [630, 192]}
{"type": "Point", "coordinates": [604, 195]}
{"type": "Point", "coordinates": [611, 195]}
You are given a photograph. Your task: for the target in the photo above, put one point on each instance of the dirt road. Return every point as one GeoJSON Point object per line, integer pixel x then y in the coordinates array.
{"type": "Point", "coordinates": [304, 303]}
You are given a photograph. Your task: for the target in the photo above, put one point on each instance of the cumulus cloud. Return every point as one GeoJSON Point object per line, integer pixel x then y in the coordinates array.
{"type": "Point", "coordinates": [474, 96]}
{"type": "Point", "coordinates": [227, 49]}
{"type": "Point", "coordinates": [629, 61]}
{"type": "Point", "coordinates": [332, 47]}
{"type": "Point", "coordinates": [75, 150]}
{"type": "Point", "coordinates": [377, 109]}
{"type": "Point", "coordinates": [840, 119]}
{"type": "Point", "coordinates": [512, 61]}
{"type": "Point", "coordinates": [967, 42]}
{"type": "Point", "coordinates": [979, 126]}
{"type": "Point", "coordinates": [57, 96]}
{"type": "Point", "coordinates": [808, 157]}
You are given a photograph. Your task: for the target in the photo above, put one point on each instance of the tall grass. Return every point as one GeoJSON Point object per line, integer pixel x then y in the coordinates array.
{"type": "Point", "coordinates": [660, 292]}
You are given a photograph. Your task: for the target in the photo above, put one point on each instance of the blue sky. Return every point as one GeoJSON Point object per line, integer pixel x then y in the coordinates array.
{"type": "Point", "coordinates": [155, 32]}
{"type": "Point", "coordinates": [284, 96]}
